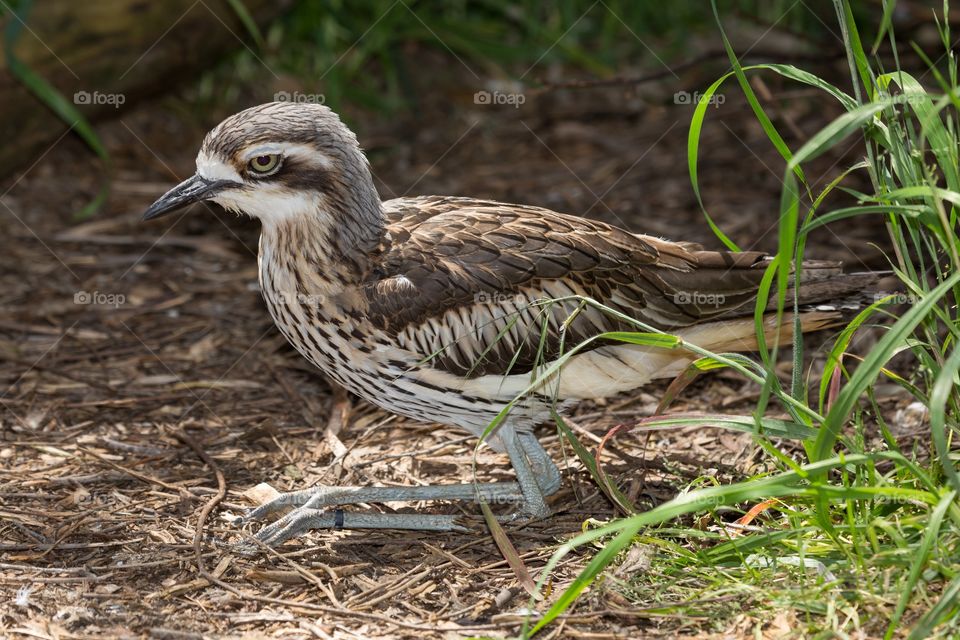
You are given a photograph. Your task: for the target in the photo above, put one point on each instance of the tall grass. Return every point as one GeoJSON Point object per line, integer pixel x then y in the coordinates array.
{"type": "Point", "coordinates": [873, 530]}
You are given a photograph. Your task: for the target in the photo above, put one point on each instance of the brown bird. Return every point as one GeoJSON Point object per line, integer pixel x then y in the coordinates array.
{"type": "Point", "coordinates": [444, 309]}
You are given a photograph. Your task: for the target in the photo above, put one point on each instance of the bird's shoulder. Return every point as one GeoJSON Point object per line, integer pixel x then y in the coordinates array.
{"type": "Point", "coordinates": [448, 222]}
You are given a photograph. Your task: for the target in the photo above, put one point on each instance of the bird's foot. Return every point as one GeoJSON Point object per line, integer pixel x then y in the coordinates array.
{"type": "Point", "coordinates": [313, 498]}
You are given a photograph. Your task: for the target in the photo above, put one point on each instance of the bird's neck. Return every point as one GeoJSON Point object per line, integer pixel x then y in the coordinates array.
{"type": "Point", "coordinates": [327, 253]}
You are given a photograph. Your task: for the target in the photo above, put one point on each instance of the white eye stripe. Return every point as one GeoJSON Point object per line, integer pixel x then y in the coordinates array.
{"type": "Point", "coordinates": [212, 168]}
{"type": "Point", "coordinates": [263, 150]}
{"type": "Point", "coordinates": [305, 152]}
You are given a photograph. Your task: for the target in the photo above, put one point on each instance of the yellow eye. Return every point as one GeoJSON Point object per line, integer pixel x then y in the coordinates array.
{"type": "Point", "coordinates": [265, 164]}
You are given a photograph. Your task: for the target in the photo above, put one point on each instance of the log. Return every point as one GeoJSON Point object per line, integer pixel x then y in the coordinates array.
{"type": "Point", "coordinates": [106, 55]}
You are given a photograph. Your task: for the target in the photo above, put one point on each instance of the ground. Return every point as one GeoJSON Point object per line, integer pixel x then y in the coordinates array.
{"type": "Point", "coordinates": [141, 367]}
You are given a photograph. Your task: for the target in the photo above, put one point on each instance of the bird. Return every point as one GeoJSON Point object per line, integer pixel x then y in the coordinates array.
{"type": "Point", "coordinates": [464, 311]}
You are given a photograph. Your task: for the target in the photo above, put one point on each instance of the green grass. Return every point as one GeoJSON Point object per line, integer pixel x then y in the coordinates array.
{"type": "Point", "coordinates": [877, 528]}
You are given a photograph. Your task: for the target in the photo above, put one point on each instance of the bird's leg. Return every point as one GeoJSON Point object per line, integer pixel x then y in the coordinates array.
{"type": "Point", "coordinates": [537, 476]}
{"type": "Point", "coordinates": [325, 496]}
{"type": "Point", "coordinates": [535, 471]}
{"type": "Point", "coordinates": [547, 473]}
{"type": "Point", "coordinates": [303, 519]}
{"type": "Point", "coordinates": [312, 509]}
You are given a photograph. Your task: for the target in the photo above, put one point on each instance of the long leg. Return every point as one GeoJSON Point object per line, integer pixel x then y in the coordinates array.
{"type": "Point", "coordinates": [322, 496]}
{"type": "Point", "coordinates": [547, 473]}
{"type": "Point", "coordinates": [534, 503]}
{"type": "Point", "coordinates": [537, 476]}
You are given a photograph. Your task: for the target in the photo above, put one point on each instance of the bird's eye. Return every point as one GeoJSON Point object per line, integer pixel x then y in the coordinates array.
{"type": "Point", "coordinates": [265, 164]}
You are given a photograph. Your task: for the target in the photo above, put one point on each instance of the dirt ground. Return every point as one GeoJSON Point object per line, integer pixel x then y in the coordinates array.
{"type": "Point", "coordinates": [140, 366]}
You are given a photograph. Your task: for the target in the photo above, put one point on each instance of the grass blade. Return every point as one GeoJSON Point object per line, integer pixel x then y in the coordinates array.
{"type": "Point", "coordinates": [509, 551]}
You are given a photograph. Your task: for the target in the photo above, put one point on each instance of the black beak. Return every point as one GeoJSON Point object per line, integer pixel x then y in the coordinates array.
{"type": "Point", "coordinates": [193, 189]}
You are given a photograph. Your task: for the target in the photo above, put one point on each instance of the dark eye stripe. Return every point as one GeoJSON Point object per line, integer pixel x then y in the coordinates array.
{"type": "Point", "coordinates": [306, 176]}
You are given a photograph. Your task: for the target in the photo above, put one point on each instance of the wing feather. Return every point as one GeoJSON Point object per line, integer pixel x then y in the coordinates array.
{"type": "Point", "coordinates": [457, 272]}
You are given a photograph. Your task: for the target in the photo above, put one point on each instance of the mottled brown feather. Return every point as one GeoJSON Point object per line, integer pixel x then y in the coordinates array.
{"type": "Point", "coordinates": [450, 263]}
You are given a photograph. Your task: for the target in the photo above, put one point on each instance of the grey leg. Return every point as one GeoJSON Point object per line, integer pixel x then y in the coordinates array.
{"type": "Point", "coordinates": [303, 520]}
{"type": "Point", "coordinates": [537, 476]}
{"type": "Point", "coordinates": [548, 475]}
{"type": "Point", "coordinates": [323, 496]}
{"type": "Point", "coordinates": [535, 504]}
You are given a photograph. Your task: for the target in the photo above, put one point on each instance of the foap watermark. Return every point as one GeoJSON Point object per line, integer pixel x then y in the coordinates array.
{"type": "Point", "coordinates": [299, 299]}
{"type": "Point", "coordinates": [299, 97]}
{"type": "Point", "coordinates": [910, 98]}
{"type": "Point", "coordinates": [97, 98]}
{"type": "Point", "coordinates": [83, 498]}
{"type": "Point", "coordinates": [895, 297]}
{"type": "Point", "coordinates": [699, 298]}
{"type": "Point", "coordinates": [685, 97]}
{"type": "Point", "coordinates": [491, 297]}
{"type": "Point", "coordinates": [499, 98]}
{"type": "Point", "coordinates": [99, 298]}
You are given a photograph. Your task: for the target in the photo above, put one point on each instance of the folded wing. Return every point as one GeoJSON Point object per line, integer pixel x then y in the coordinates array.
{"type": "Point", "coordinates": [479, 287]}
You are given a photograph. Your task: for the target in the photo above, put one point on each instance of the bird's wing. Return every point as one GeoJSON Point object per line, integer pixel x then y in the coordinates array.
{"type": "Point", "coordinates": [463, 282]}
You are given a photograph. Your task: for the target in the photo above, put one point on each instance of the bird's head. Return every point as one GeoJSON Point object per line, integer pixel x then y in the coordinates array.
{"type": "Point", "coordinates": [280, 161]}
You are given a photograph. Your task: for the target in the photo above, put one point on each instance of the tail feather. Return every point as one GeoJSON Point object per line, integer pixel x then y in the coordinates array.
{"type": "Point", "coordinates": [740, 334]}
